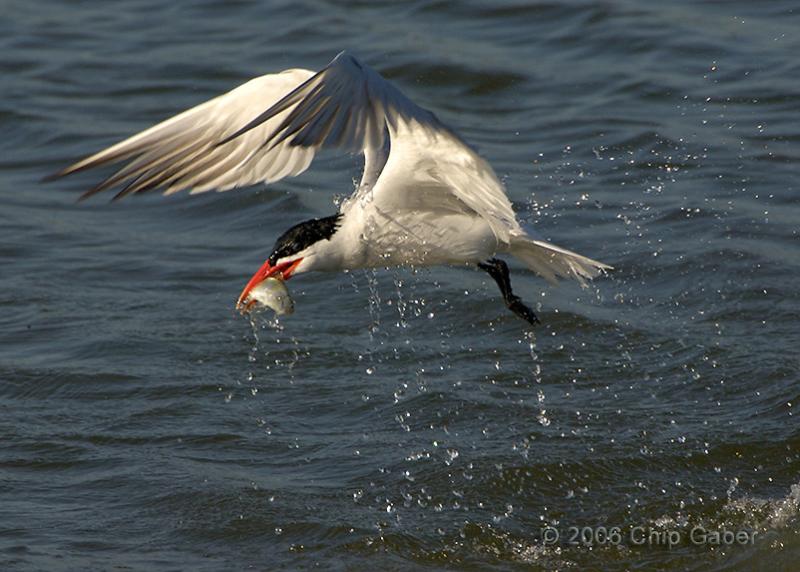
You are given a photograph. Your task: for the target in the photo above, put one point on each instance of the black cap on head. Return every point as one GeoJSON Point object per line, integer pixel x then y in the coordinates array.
{"type": "Point", "coordinates": [303, 235]}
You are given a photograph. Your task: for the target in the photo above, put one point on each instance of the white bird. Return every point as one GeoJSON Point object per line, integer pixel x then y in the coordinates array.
{"type": "Point", "coordinates": [425, 197]}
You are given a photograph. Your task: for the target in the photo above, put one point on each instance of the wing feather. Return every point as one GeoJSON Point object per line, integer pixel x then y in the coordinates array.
{"type": "Point", "coordinates": [186, 151]}
{"type": "Point", "coordinates": [229, 142]}
{"type": "Point", "coordinates": [350, 106]}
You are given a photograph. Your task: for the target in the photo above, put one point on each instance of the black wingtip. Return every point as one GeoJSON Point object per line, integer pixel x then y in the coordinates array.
{"type": "Point", "coordinates": [63, 173]}
{"type": "Point", "coordinates": [53, 176]}
{"type": "Point", "coordinates": [85, 195]}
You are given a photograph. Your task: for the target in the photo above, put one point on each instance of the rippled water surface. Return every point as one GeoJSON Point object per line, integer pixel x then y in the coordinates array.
{"type": "Point", "coordinates": [404, 420]}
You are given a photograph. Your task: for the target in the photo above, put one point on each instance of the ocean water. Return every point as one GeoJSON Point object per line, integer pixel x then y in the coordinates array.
{"type": "Point", "coordinates": [404, 419]}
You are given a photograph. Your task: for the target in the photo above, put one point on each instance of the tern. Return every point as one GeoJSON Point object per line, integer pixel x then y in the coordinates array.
{"type": "Point", "coordinates": [425, 197]}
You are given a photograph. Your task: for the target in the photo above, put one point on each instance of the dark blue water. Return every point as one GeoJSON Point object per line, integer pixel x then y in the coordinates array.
{"type": "Point", "coordinates": [404, 420]}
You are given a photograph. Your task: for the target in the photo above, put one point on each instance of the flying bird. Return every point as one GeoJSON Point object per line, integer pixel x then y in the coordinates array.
{"type": "Point", "coordinates": [425, 197]}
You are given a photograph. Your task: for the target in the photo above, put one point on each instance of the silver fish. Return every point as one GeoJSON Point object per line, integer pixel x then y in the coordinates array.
{"type": "Point", "coordinates": [271, 293]}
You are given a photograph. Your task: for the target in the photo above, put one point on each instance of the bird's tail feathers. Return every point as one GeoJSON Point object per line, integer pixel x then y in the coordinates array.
{"type": "Point", "coordinates": [552, 262]}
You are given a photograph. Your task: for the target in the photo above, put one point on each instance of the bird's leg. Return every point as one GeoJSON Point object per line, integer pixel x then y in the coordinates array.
{"type": "Point", "coordinates": [498, 270]}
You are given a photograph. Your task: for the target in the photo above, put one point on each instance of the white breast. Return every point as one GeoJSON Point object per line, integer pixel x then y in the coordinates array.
{"type": "Point", "coordinates": [418, 237]}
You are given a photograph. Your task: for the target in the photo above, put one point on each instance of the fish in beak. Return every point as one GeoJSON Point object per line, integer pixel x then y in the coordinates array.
{"type": "Point", "coordinates": [282, 271]}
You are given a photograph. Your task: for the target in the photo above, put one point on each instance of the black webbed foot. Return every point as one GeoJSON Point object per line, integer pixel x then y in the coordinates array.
{"type": "Point", "coordinates": [498, 270]}
{"type": "Point", "coordinates": [515, 304]}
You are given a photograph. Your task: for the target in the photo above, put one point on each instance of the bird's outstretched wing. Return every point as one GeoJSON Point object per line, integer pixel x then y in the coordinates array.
{"type": "Point", "coordinates": [184, 152]}
{"type": "Point", "coordinates": [230, 142]}
{"type": "Point", "coordinates": [348, 105]}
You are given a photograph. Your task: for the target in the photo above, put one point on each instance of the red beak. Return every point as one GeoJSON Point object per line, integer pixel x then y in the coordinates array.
{"type": "Point", "coordinates": [283, 271]}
